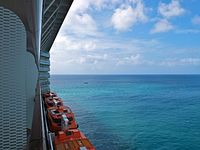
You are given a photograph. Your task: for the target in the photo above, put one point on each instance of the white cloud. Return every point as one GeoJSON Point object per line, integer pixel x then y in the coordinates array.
{"type": "Point", "coordinates": [80, 24]}
{"type": "Point", "coordinates": [84, 5]}
{"type": "Point", "coordinates": [181, 62]}
{"type": "Point", "coordinates": [186, 31]}
{"type": "Point", "coordinates": [88, 44]}
{"type": "Point", "coordinates": [70, 43]}
{"type": "Point", "coordinates": [79, 21]}
{"type": "Point", "coordinates": [196, 20]}
{"type": "Point", "coordinates": [130, 60]}
{"type": "Point", "coordinates": [126, 16]}
{"type": "Point", "coordinates": [172, 9]}
{"type": "Point", "coordinates": [162, 25]}
{"type": "Point", "coordinates": [94, 59]}
{"type": "Point", "coordinates": [87, 59]}
{"type": "Point", "coordinates": [191, 61]}
{"type": "Point", "coordinates": [123, 18]}
{"type": "Point", "coordinates": [78, 54]}
{"type": "Point", "coordinates": [81, 47]}
{"type": "Point", "coordinates": [81, 6]}
{"type": "Point", "coordinates": [167, 11]}
{"type": "Point", "coordinates": [169, 63]}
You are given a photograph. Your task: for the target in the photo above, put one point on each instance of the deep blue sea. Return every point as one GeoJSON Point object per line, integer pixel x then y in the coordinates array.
{"type": "Point", "coordinates": [134, 112]}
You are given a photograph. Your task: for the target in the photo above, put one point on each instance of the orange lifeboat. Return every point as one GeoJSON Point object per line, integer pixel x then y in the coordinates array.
{"type": "Point", "coordinates": [62, 122]}
{"type": "Point", "coordinates": [53, 102]}
{"type": "Point", "coordinates": [72, 140]}
{"type": "Point", "coordinates": [49, 94]}
{"type": "Point", "coordinates": [61, 118]}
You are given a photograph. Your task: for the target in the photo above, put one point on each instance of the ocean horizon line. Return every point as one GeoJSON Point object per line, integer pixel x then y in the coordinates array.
{"type": "Point", "coordinates": [123, 74]}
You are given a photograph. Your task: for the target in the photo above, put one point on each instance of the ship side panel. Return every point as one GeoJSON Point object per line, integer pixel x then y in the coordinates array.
{"type": "Point", "coordinates": [18, 76]}
{"type": "Point", "coordinates": [31, 82]}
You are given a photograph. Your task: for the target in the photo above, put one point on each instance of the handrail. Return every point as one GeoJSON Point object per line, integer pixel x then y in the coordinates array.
{"type": "Point", "coordinates": [38, 136]}
{"type": "Point", "coordinates": [47, 132]}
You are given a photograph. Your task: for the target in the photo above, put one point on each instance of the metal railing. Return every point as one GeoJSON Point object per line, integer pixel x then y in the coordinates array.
{"type": "Point", "coordinates": [40, 137]}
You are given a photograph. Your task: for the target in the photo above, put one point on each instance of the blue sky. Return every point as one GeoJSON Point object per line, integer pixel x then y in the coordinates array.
{"type": "Point", "coordinates": [129, 37]}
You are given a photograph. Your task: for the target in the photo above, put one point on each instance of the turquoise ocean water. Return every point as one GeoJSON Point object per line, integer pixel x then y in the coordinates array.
{"type": "Point", "coordinates": [134, 112]}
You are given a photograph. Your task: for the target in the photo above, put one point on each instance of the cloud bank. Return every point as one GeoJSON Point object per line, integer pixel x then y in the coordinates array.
{"type": "Point", "coordinates": [100, 36]}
